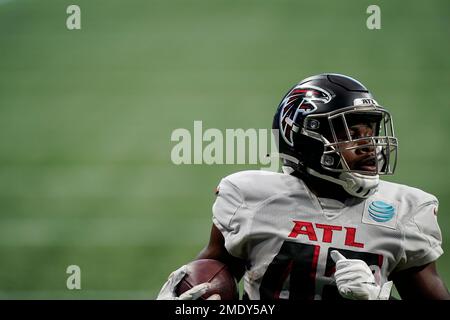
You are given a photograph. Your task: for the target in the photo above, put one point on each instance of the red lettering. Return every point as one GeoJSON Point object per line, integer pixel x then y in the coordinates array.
{"type": "Point", "coordinates": [302, 227]}
{"type": "Point", "coordinates": [307, 228]}
{"type": "Point", "coordinates": [328, 231]}
{"type": "Point", "coordinates": [350, 238]}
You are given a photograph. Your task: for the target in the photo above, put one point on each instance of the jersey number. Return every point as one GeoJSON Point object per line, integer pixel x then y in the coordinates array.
{"type": "Point", "coordinates": [294, 269]}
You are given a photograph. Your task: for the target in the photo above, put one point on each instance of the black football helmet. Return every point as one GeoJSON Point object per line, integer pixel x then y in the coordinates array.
{"type": "Point", "coordinates": [314, 122]}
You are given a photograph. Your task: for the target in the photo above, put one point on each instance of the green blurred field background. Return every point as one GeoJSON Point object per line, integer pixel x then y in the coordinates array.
{"type": "Point", "coordinates": [86, 118]}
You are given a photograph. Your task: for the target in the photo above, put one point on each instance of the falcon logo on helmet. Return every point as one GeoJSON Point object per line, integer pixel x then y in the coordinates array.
{"type": "Point", "coordinates": [300, 101]}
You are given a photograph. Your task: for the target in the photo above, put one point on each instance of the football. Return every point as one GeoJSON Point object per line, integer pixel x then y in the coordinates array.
{"type": "Point", "coordinates": [214, 272]}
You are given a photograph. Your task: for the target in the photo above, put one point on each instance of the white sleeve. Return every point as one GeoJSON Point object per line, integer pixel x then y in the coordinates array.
{"type": "Point", "coordinates": [229, 219]}
{"type": "Point", "coordinates": [422, 239]}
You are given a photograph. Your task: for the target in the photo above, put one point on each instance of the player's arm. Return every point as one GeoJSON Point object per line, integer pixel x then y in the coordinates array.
{"type": "Point", "coordinates": [419, 283]}
{"type": "Point", "coordinates": [216, 250]}
{"type": "Point", "coordinates": [416, 276]}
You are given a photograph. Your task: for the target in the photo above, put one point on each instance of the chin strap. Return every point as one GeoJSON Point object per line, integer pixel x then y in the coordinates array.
{"type": "Point", "coordinates": [356, 184]}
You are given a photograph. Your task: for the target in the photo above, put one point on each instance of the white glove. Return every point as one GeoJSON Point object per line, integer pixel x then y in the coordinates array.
{"type": "Point", "coordinates": [168, 290]}
{"type": "Point", "coordinates": [355, 280]}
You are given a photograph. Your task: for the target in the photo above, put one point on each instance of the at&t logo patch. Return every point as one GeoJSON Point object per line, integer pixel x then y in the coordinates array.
{"type": "Point", "coordinates": [380, 212]}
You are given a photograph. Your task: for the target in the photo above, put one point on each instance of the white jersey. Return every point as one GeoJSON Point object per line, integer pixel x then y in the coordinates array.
{"type": "Point", "coordinates": [286, 233]}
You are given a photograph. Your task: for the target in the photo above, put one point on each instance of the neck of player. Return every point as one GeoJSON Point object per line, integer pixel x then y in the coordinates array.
{"type": "Point", "coordinates": [322, 188]}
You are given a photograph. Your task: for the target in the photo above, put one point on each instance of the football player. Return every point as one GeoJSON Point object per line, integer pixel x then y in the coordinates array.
{"type": "Point", "coordinates": [326, 227]}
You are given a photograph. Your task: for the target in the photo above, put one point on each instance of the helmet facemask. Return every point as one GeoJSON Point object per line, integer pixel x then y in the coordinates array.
{"type": "Point", "coordinates": [341, 134]}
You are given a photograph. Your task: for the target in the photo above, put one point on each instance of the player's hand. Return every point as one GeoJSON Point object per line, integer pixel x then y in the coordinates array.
{"type": "Point", "coordinates": [168, 290]}
{"type": "Point", "coordinates": [355, 280]}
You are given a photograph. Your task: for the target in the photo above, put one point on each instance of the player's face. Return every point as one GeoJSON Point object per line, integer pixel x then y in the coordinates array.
{"type": "Point", "coordinates": [358, 156]}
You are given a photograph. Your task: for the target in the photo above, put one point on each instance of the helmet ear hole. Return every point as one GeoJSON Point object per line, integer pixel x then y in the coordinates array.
{"type": "Point", "coordinates": [332, 160]}
{"type": "Point", "coordinates": [312, 124]}
{"type": "Point", "coordinates": [327, 160]}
